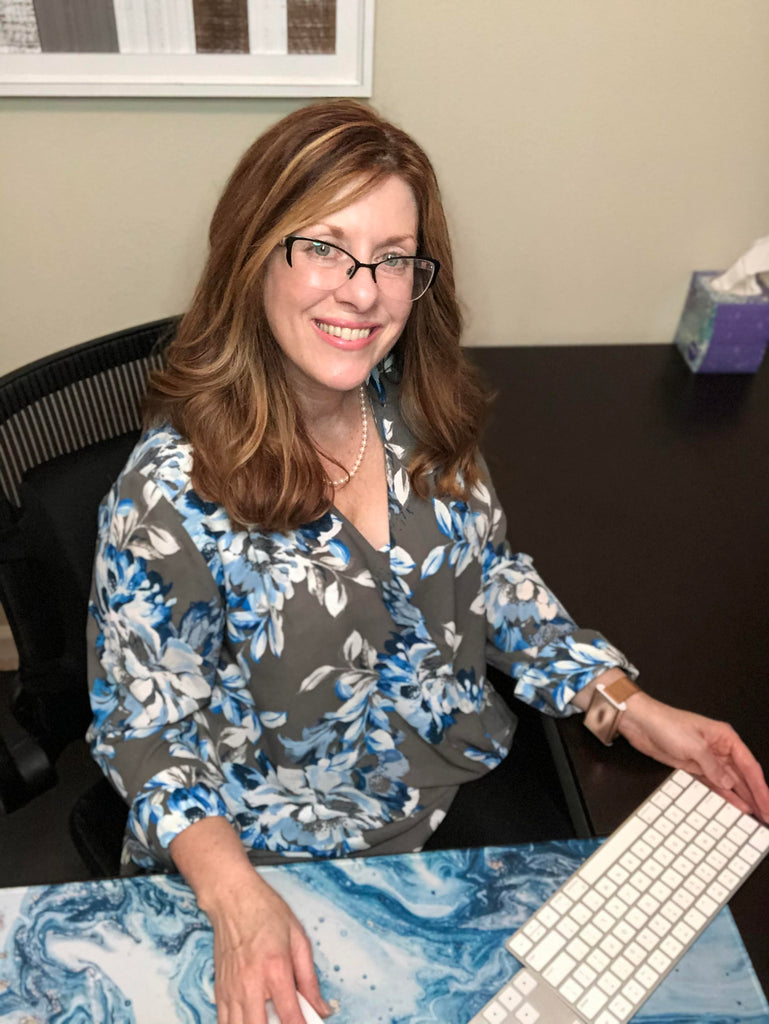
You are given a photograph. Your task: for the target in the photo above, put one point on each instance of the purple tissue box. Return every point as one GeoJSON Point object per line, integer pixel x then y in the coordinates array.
{"type": "Point", "coordinates": [720, 333]}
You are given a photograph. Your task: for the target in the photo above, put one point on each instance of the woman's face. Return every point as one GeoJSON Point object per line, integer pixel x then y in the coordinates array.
{"type": "Point", "coordinates": [332, 338]}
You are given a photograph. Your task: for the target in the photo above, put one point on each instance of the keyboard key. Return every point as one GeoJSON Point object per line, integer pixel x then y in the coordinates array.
{"type": "Point", "coordinates": [671, 912]}
{"type": "Point", "coordinates": [598, 960]}
{"type": "Point", "coordinates": [545, 950]}
{"type": "Point", "coordinates": [534, 929]}
{"type": "Point", "coordinates": [739, 866]}
{"type": "Point", "coordinates": [640, 880]}
{"type": "Point", "coordinates": [685, 831]}
{"type": "Point", "coordinates": [635, 953]}
{"type": "Point", "coordinates": [728, 879]}
{"type": "Point", "coordinates": [659, 891]}
{"type": "Point", "coordinates": [568, 927]}
{"type": "Point", "coordinates": [578, 949]}
{"type": "Point", "coordinates": [525, 982]}
{"type": "Point", "coordinates": [590, 934]}
{"type": "Point", "coordinates": [571, 991]}
{"type": "Point", "coordinates": [547, 916]}
{"type": "Point", "coordinates": [611, 946]}
{"type": "Point", "coordinates": [727, 847]}
{"type": "Point", "coordinates": [718, 892]}
{"type": "Point", "coordinates": [649, 813]}
{"type": "Point", "coordinates": [728, 815]}
{"type": "Point", "coordinates": [706, 872]}
{"type": "Point", "coordinates": [664, 856]}
{"type": "Point", "coordinates": [509, 997]}
{"type": "Point", "coordinates": [652, 837]}
{"type": "Point", "coordinates": [671, 878]}
{"type": "Point", "coordinates": [704, 841]}
{"type": "Point", "coordinates": [520, 944]}
{"type": "Point", "coordinates": [494, 1013]}
{"type": "Point", "coordinates": [604, 1017]}
{"type": "Point", "coordinates": [647, 939]}
{"type": "Point", "coordinates": [624, 932]}
{"type": "Point", "coordinates": [622, 968]}
{"type": "Point", "coordinates": [694, 885]}
{"type": "Point", "coordinates": [641, 850]}
{"type": "Point", "coordinates": [647, 976]}
{"type": "Point", "coordinates": [683, 866]}
{"type": "Point", "coordinates": [575, 888]}
{"type": "Point", "coordinates": [659, 961]}
{"type": "Point", "coordinates": [558, 969]}
{"type": "Point", "coordinates": [620, 1006]}
{"type": "Point", "coordinates": [606, 887]}
{"type": "Point", "coordinates": [661, 800]}
{"type": "Point", "coordinates": [609, 983]}
{"type": "Point", "coordinates": [715, 829]}
{"type": "Point", "coordinates": [591, 1002]}
{"type": "Point", "coordinates": [671, 946]}
{"type": "Point", "coordinates": [633, 992]}
{"type": "Point", "coordinates": [664, 825]}
{"type": "Point", "coordinates": [593, 899]}
{"type": "Point", "coordinates": [683, 898]}
{"type": "Point", "coordinates": [604, 921]}
{"type": "Point", "coordinates": [585, 975]}
{"type": "Point", "coordinates": [694, 919]}
{"type": "Point", "coordinates": [760, 839]}
{"type": "Point", "coordinates": [683, 932]}
{"type": "Point", "coordinates": [618, 874]}
{"type": "Point", "coordinates": [648, 904]}
{"type": "Point", "coordinates": [696, 820]}
{"type": "Point", "coordinates": [710, 805]}
{"type": "Point", "coordinates": [580, 913]}
{"type": "Point", "coordinates": [560, 903]}
{"type": "Point", "coordinates": [672, 787]}
{"type": "Point", "coordinates": [636, 917]}
{"type": "Point", "coordinates": [629, 861]}
{"type": "Point", "coordinates": [692, 795]}
{"type": "Point", "coordinates": [616, 907]}
{"type": "Point", "coordinates": [628, 894]}
{"type": "Point", "coordinates": [527, 1014]}
{"type": "Point", "coordinates": [675, 814]}
{"type": "Point", "coordinates": [674, 843]}
{"type": "Point", "coordinates": [706, 905]}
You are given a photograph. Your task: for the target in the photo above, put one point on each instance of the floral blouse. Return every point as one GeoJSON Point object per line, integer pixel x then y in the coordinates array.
{"type": "Point", "coordinates": [325, 697]}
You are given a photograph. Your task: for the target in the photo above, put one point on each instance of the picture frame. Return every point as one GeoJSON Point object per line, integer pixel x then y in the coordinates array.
{"type": "Point", "coordinates": [346, 72]}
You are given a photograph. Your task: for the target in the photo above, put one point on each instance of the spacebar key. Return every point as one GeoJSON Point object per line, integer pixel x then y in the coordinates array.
{"type": "Point", "coordinates": [613, 848]}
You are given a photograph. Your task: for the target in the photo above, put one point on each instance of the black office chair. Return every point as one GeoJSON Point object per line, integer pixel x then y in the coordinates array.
{"type": "Point", "coordinates": [67, 425]}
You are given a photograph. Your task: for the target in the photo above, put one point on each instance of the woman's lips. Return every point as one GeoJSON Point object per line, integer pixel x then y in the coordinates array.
{"type": "Point", "coordinates": [344, 336]}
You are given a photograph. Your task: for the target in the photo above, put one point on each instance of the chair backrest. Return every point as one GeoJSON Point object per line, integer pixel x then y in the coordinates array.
{"type": "Point", "coordinates": [67, 425]}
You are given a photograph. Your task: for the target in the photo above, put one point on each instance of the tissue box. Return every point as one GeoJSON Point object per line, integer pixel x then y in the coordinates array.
{"type": "Point", "coordinates": [721, 333]}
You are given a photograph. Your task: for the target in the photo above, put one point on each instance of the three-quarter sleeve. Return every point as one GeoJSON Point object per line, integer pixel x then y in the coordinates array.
{"type": "Point", "coordinates": [530, 635]}
{"type": "Point", "coordinates": [155, 635]}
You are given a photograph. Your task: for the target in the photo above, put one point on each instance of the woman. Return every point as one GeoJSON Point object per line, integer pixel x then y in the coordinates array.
{"type": "Point", "coordinates": [303, 567]}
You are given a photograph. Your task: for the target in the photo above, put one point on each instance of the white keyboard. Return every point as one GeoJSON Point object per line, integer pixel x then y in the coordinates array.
{"type": "Point", "coordinates": [597, 949]}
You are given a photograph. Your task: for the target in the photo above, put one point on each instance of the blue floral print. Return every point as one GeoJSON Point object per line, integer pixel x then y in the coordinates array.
{"type": "Point", "coordinates": [325, 697]}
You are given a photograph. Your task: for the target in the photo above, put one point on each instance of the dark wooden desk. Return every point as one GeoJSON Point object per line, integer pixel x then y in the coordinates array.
{"type": "Point", "coordinates": [642, 492]}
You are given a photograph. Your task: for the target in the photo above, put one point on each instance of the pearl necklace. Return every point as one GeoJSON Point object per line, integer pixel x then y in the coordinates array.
{"type": "Point", "coordinates": [364, 419]}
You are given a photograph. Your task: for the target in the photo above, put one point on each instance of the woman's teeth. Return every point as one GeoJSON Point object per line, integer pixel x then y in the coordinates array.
{"type": "Point", "coordinates": [345, 333]}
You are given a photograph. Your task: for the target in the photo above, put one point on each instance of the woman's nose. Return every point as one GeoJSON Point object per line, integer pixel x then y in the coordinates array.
{"type": "Point", "coordinates": [360, 289]}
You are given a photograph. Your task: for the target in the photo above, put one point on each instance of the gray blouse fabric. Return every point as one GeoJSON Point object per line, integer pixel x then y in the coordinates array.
{"type": "Point", "coordinates": [325, 697]}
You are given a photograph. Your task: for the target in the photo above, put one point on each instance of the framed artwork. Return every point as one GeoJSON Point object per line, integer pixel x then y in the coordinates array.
{"type": "Point", "coordinates": [186, 47]}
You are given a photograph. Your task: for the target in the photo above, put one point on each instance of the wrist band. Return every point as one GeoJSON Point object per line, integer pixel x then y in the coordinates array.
{"type": "Point", "coordinates": [607, 706]}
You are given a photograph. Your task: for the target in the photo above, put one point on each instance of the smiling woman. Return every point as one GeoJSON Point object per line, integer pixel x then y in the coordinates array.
{"type": "Point", "coordinates": [302, 571]}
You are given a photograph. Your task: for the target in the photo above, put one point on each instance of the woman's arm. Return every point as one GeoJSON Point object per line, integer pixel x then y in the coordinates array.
{"type": "Point", "coordinates": [702, 746]}
{"type": "Point", "coordinates": [260, 950]}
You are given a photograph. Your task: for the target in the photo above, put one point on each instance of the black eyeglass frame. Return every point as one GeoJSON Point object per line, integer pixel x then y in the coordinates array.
{"type": "Point", "coordinates": [289, 240]}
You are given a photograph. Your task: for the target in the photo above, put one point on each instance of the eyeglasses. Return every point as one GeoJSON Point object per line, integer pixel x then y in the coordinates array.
{"type": "Point", "coordinates": [325, 265]}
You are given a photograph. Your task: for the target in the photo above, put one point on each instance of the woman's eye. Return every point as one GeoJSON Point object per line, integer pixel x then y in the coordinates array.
{"type": "Point", "coordinates": [321, 249]}
{"type": "Point", "coordinates": [394, 261]}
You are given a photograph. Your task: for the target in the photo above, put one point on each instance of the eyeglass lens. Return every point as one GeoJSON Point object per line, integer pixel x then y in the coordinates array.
{"type": "Point", "coordinates": [327, 266]}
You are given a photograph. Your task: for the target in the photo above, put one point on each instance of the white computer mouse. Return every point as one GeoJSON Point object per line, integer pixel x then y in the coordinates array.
{"type": "Point", "coordinates": [310, 1016]}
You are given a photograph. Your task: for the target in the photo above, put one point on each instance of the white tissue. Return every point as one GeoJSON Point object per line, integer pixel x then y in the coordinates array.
{"type": "Point", "coordinates": [740, 278]}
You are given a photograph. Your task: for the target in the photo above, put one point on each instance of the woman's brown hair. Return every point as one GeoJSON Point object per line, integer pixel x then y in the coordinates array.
{"type": "Point", "coordinates": [224, 386]}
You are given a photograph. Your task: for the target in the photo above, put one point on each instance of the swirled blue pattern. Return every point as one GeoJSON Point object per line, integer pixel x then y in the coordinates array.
{"type": "Point", "coordinates": [417, 938]}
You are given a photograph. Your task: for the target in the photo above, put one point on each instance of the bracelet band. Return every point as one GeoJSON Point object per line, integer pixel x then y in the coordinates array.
{"type": "Point", "coordinates": [607, 706]}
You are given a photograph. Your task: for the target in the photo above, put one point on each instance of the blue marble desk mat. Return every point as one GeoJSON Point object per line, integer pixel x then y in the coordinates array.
{"type": "Point", "coordinates": [416, 938]}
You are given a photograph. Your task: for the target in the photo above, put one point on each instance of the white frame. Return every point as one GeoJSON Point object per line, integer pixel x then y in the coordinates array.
{"type": "Point", "coordinates": [348, 72]}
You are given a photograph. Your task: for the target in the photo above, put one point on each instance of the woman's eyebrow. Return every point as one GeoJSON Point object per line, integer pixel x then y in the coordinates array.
{"type": "Point", "coordinates": [341, 235]}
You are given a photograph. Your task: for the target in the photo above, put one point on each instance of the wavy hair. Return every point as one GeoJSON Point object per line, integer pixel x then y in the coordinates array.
{"type": "Point", "coordinates": [224, 385]}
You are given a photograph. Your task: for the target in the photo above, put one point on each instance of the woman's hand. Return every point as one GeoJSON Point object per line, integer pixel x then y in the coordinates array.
{"type": "Point", "coordinates": [702, 746]}
{"type": "Point", "coordinates": [261, 951]}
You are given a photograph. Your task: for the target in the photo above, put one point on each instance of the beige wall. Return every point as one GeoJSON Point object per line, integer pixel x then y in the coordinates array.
{"type": "Point", "coordinates": [592, 154]}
